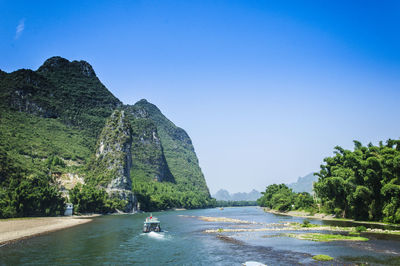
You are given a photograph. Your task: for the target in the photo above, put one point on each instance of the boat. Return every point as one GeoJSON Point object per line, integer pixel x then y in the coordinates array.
{"type": "Point", "coordinates": [151, 224]}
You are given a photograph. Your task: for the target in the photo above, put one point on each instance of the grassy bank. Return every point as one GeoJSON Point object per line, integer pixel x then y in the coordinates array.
{"type": "Point", "coordinates": [326, 217]}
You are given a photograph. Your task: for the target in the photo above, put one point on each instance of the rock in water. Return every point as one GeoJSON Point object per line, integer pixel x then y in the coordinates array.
{"type": "Point", "coordinates": [114, 160]}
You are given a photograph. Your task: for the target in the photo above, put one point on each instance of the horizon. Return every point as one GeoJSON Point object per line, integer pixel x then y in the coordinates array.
{"type": "Point", "coordinates": [264, 90]}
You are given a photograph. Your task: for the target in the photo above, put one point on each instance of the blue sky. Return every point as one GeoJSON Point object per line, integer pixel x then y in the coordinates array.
{"type": "Point", "coordinates": [265, 89]}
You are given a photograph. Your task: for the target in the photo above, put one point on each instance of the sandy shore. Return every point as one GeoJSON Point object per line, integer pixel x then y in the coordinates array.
{"type": "Point", "coordinates": [16, 229]}
{"type": "Point", "coordinates": [323, 216]}
{"type": "Point", "coordinates": [302, 214]}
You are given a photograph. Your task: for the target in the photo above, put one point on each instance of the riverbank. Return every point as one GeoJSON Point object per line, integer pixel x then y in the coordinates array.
{"type": "Point", "coordinates": [21, 228]}
{"type": "Point", "coordinates": [323, 216]}
{"type": "Point", "coordinates": [303, 214]}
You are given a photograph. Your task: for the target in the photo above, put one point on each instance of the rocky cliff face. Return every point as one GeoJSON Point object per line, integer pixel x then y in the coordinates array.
{"type": "Point", "coordinates": [114, 158]}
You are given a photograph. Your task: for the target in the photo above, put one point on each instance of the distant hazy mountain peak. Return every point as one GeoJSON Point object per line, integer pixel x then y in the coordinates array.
{"type": "Point", "coordinates": [223, 194]}
{"type": "Point", "coordinates": [304, 184]}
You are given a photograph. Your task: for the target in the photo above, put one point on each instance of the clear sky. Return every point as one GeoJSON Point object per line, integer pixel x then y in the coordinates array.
{"type": "Point", "coordinates": [265, 89]}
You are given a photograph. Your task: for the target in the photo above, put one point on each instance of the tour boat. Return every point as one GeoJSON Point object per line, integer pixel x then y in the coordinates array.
{"type": "Point", "coordinates": [151, 224]}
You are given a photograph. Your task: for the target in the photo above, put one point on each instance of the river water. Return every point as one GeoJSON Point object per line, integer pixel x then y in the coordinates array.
{"type": "Point", "coordinates": [118, 239]}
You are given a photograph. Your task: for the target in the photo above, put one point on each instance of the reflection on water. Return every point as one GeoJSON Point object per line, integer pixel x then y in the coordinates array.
{"type": "Point", "coordinates": [119, 240]}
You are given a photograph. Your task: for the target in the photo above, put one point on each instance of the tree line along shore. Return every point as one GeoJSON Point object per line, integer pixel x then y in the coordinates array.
{"type": "Point", "coordinates": [362, 184]}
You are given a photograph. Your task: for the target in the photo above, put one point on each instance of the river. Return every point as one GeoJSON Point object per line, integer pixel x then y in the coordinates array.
{"type": "Point", "coordinates": [118, 239]}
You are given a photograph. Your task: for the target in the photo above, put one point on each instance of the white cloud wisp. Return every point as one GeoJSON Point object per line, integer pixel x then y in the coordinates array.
{"type": "Point", "coordinates": [20, 28]}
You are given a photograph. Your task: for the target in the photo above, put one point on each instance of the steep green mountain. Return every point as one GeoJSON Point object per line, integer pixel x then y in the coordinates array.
{"type": "Point", "coordinates": [304, 184]}
{"type": "Point", "coordinates": [60, 89]}
{"type": "Point", "coordinates": [55, 142]}
{"type": "Point", "coordinates": [176, 144]}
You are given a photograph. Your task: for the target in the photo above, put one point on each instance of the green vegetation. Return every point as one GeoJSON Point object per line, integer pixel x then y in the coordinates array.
{"type": "Point", "coordinates": [60, 89]}
{"type": "Point", "coordinates": [177, 147]}
{"type": "Point", "coordinates": [29, 137]}
{"type": "Point", "coordinates": [114, 141]}
{"type": "Point", "coordinates": [148, 160]}
{"type": "Point", "coordinates": [326, 237]}
{"type": "Point", "coordinates": [232, 203]}
{"type": "Point", "coordinates": [306, 223]}
{"type": "Point", "coordinates": [50, 122]}
{"type": "Point", "coordinates": [90, 199]}
{"type": "Point", "coordinates": [154, 195]}
{"type": "Point", "coordinates": [363, 184]}
{"type": "Point", "coordinates": [33, 152]}
{"type": "Point", "coordinates": [360, 229]}
{"type": "Point", "coordinates": [165, 171]}
{"type": "Point", "coordinates": [79, 97]}
{"type": "Point", "coordinates": [26, 194]}
{"type": "Point", "coordinates": [322, 257]}
{"type": "Point", "coordinates": [282, 198]}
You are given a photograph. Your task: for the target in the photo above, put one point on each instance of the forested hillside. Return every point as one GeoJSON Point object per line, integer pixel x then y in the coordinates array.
{"type": "Point", "coordinates": [50, 135]}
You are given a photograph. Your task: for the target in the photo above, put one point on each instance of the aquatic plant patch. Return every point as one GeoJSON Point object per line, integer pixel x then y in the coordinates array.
{"type": "Point", "coordinates": [322, 257]}
{"type": "Point", "coordinates": [326, 237]}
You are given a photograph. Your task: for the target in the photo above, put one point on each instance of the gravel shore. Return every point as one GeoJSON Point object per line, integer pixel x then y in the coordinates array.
{"type": "Point", "coordinates": [16, 229]}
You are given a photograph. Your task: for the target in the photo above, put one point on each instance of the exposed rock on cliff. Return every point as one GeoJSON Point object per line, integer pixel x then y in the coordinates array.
{"type": "Point", "coordinates": [113, 158]}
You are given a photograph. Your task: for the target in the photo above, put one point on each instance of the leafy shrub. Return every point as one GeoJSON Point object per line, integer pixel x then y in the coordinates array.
{"type": "Point", "coordinates": [282, 198]}
{"type": "Point", "coordinates": [360, 229]}
{"type": "Point", "coordinates": [306, 223]}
